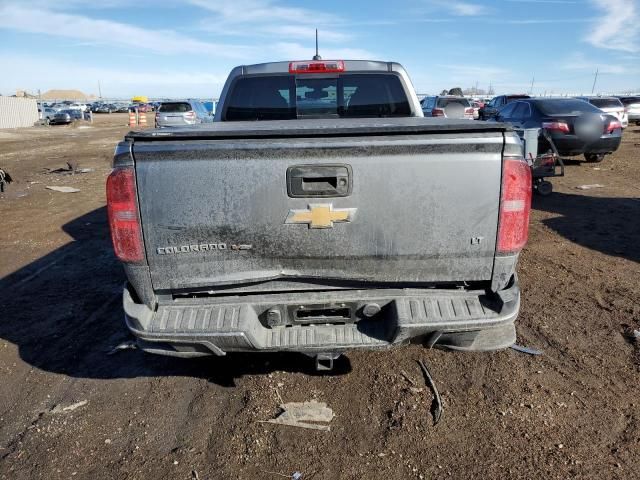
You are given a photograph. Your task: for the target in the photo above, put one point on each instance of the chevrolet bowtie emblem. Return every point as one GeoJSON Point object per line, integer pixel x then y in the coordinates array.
{"type": "Point", "coordinates": [321, 215]}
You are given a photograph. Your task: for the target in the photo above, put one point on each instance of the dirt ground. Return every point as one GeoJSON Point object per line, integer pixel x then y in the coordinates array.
{"type": "Point", "coordinates": [573, 412]}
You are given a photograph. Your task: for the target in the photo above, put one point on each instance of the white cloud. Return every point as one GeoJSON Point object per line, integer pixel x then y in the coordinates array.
{"type": "Point", "coordinates": [579, 62]}
{"type": "Point", "coordinates": [26, 72]}
{"type": "Point", "coordinates": [297, 51]}
{"type": "Point", "coordinates": [617, 28]}
{"type": "Point", "coordinates": [268, 19]}
{"type": "Point", "coordinates": [462, 9]}
{"type": "Point", "coordinates": [256, 11]}
{"type": "Point", "coordinates": [557, 2]}
{"type": "Point", "coordinates": [88, 29]}
{"type": "Point", "coordinates": [475, 72]}
{"type": "Point", "coordinates": [537, 21]}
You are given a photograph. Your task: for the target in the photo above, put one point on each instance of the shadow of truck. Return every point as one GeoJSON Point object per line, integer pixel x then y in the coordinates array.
{"type": "Point", "coordinates": [606, 224]}
{"type": "Point", "coordinates": [64, 313]}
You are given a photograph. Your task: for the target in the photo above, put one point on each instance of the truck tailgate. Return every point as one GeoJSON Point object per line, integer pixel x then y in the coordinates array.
{"type": "Point", "coordinates": [422, 208]}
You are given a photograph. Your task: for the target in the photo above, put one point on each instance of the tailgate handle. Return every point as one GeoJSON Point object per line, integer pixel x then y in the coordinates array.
{"type": "Point", "coordinates": [319, 181]}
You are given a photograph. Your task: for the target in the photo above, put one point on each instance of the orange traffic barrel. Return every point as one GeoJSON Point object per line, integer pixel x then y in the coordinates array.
{"type": "Point", "coordinates": [142, 119]}
{"type": "Point", "coordinates": [132, 118]}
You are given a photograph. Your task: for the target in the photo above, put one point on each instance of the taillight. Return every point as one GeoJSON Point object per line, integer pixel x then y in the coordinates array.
{"type": "Point", "coordinates": [317, 66]}
{"type": "Point", "coordinates": [556, 126]}
{"type": "Point", "coordinates": [515, 205]}
{"type": "Point", "coordinates": [613, 125]}
{"type": "Point", "coordinates": [437, 112]}
{"type": "Point", "coordinates": [468, 111]}
{"type": "Point", "coordinates": [190, 114]}
{"type": "Point", "coordinates": [122, 211]}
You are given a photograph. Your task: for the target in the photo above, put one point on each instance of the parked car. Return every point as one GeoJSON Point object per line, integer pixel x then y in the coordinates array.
{"type": "Point", "coordinates": [183, 112]}
{"type": "Point", "coordinates": [142, 107]}
{"type": "Point", "coordinates": [47, 114]}
{"type": "Point", "coordinates": [611, 105]}
{"type": "Point", "coordinates": [448, 106]}
{"type": "Point", "coordinates": [66, 116]}
{"type": "Point", "coordinates": [632, 104]}
{"type": "Point", "coordinates": [476, 105]}
{"type": "Point", "coordinates": [575, 126]}
{"type": "Point", "coordinates": [490, 109]}
{"type": "Point", "coordinates": [106, 108]}
{"type": "Point", "coordinates": [122, 108]}
{"type": "Point", "coordinates": [241, 235]}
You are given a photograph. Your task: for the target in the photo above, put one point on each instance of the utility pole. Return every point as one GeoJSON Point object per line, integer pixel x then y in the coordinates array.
{"type": "Point", "coordinates": [99, 90]}
{"type": "Point", "coordinates": [532, 81]}
{"type": "Point", "coordinates": [475, 90]}
{"type": "Point", "coordinates": [594, 82]}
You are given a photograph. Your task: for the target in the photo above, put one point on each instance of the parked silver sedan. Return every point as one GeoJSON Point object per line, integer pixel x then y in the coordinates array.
{"type": "Point", "coordinates": [182, 112]}
{"type": "Point", "coordinates": [64, 117]}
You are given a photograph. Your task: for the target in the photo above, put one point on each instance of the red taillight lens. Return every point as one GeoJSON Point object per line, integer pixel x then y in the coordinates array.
{"type": "Point", "coordinates": [122, 211]}
{"type": "Point", "coordinates": [317, 66]}
{"type": "Point", "coordinates": [556, 126]}
{"type": "Point", "coordinates": [515, 205]}
{"type": "Point", "coordinates": [190, 114]}
{"type": "Point", "coordinates": [437, 112]}
{"type": "Point", "coordinates": [613, 125]}
{"type": "Point", "coordinates": [468, 111]}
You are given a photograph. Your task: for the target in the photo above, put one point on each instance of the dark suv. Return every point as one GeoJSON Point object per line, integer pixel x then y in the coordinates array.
{"type": "Point", "coordinates": [491, 109]}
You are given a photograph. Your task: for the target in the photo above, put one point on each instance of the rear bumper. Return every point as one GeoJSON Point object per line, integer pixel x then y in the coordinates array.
{"type": "Point", "coordinates": [571, 145]}
{"type": "Point", "coordinates": [455, 319]}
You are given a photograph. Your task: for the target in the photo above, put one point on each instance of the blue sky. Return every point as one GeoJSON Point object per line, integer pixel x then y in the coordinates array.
{"type": "Point", "coordinates": [185, 48]}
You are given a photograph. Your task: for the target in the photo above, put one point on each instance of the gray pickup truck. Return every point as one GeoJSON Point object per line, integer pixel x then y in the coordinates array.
{"type": "Point", "coordinates": [320, 213]}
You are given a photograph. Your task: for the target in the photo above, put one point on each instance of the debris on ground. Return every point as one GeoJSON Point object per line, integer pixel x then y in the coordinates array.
{"type": "Point", "coordinates": [298, 414]}
{"type": "Point", "coordinates": [71, 169]}
{"type": "Point", "coordinates": [523, 349]}
{"type": "Point", "coordinates": [408, 378]}
{"type": "Point", "coordinates": [62, 189]}
{"type": "Point", "coordinates": [69, 408]}
{"type": "Point", "coordinates": [128, 345]}
{"type": "Point", "coordinates": [293, 476]}
{"type": "Point", "coordinates": [194, 475]}
{"type": "Point", "coordinates": [436, 406]}
{"type": "Point", "coordinates": [589, 187]}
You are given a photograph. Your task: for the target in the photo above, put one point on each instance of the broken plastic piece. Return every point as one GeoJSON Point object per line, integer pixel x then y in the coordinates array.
{"type": "Point", "coordinates": [298, 414]}
{"type": "Point", "coordinates": [530, 351]}
{"type": "Point", "coordinates": [62, 189]}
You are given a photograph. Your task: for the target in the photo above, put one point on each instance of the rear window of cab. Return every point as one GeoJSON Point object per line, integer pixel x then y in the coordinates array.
{"type": "Point", "coordinates": [287, 97]}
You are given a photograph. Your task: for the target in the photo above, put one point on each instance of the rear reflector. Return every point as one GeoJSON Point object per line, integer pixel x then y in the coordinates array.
{"type": "Point", "coordinates": [317, 66]}
{"type": "Point", "coordinates": [437, 112]}
{"type": "Point", "coordinates": [556, 126]}
{"type": "Point", "coordinates": [515, 205]}
{"type": "Point", "coordinates": [124, 220]}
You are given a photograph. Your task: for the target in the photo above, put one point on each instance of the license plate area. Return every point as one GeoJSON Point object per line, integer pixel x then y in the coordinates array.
{"type": "Point", "coordinates": [322, 313]}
